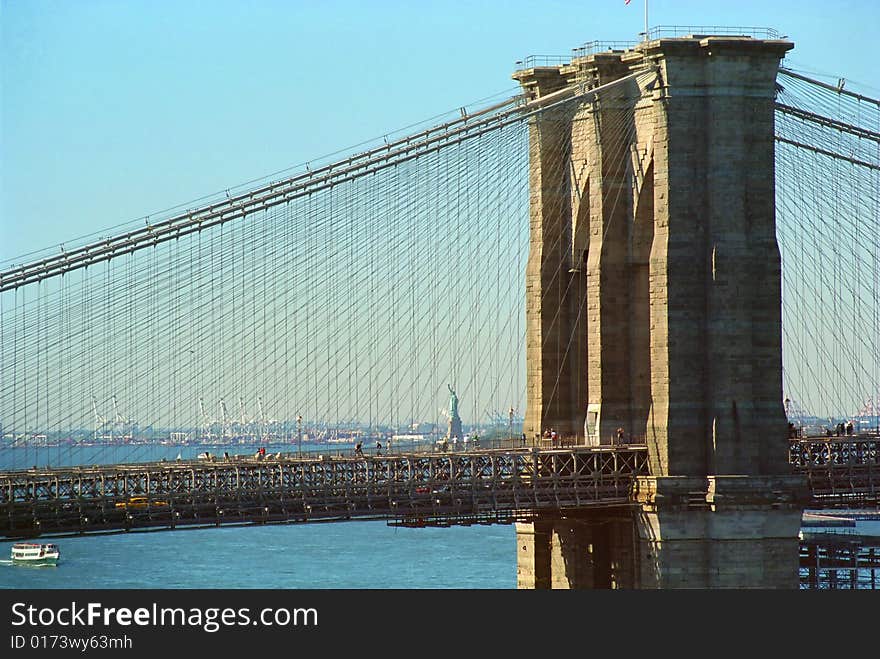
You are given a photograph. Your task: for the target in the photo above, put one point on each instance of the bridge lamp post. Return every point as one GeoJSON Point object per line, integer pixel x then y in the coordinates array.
{"type": "Point", "coordinates": [299, 434]}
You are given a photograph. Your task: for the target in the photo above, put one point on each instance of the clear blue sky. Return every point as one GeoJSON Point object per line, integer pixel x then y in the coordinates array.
{"type": "Point", "coordinates": [115, 109]}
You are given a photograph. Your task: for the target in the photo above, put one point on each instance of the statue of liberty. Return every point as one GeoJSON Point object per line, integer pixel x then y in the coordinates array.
{"type": "Point", "coordinates": [454, 429]}
{"type": "Point", "coordinates": [453, 403]}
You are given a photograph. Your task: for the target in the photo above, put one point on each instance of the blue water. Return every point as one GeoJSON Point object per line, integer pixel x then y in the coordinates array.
{"type": "Point", "coordinates": [318, 555]}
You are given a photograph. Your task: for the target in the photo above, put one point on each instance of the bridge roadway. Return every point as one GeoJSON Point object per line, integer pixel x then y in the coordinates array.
{"type": "Point", "coordinates": [483, 486]}
{"type": "Point", "coordinates": [842, 472]}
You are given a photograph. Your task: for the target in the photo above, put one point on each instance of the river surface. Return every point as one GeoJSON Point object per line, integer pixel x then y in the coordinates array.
{"type": "Point", "coordinates": [316, 555]}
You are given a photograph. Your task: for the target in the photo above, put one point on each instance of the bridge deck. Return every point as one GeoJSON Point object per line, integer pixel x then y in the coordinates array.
{"type": "Point", "coordinates": [484, 486]}
{"type": "Point", "coordinates": [411, 489]}
{"type": "Point", "coordinates": [842, 472]}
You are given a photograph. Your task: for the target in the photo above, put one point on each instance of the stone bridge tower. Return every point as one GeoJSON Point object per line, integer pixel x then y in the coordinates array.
{"type": "Point", "coordinates": [653, 298]}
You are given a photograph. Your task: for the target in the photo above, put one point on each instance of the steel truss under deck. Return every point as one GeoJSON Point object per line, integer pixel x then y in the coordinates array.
{"type": "Point", "coordinates": [412, 490]}
{"type": "Point", "coordinates": [842, 472]}
{"type": "Point", "coordinates": [475, 487]}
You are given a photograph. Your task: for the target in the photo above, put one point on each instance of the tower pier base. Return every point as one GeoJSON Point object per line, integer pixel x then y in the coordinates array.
{"type": "Point", "coordinates": [716, 532]}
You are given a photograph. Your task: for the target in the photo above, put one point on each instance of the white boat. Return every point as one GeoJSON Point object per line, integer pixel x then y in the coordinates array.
{"type": "Point", "coordinates": [32, 553]}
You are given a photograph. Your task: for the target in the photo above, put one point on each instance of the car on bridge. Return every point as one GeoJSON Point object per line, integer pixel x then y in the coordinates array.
{"type": "Point", "coordinates": [140, 502]}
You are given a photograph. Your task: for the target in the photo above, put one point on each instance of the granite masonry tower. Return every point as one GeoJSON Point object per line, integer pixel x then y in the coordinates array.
{"type": "Point", "coordinates": [653, 296]}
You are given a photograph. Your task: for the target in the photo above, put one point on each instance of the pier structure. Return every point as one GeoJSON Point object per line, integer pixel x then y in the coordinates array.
{"type": "Point", "coordinates": [655, 202]}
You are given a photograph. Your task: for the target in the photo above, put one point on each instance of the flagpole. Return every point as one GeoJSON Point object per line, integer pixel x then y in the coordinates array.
{"type": "Point", "coordinates": [646, 20]}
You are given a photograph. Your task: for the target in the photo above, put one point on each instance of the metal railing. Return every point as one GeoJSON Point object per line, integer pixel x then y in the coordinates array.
{"type": "Point", "coordinates": [658, 32]}
{"type": "Point", "coordinates": [671, 31]}
{"type": "Point", "coordinates": [532, 61]}
{"type": "Point", "coordinates": [593, 47]}
{"type": "Point", "coordinates": [588, 48]}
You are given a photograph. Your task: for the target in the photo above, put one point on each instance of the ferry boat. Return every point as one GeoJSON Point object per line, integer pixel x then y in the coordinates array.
{"type": "Point", "coordinates": [31, 553]}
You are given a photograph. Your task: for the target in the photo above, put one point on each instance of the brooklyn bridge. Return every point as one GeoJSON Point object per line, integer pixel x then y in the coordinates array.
{"type": "Point", "coordinates": [665, 253]}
